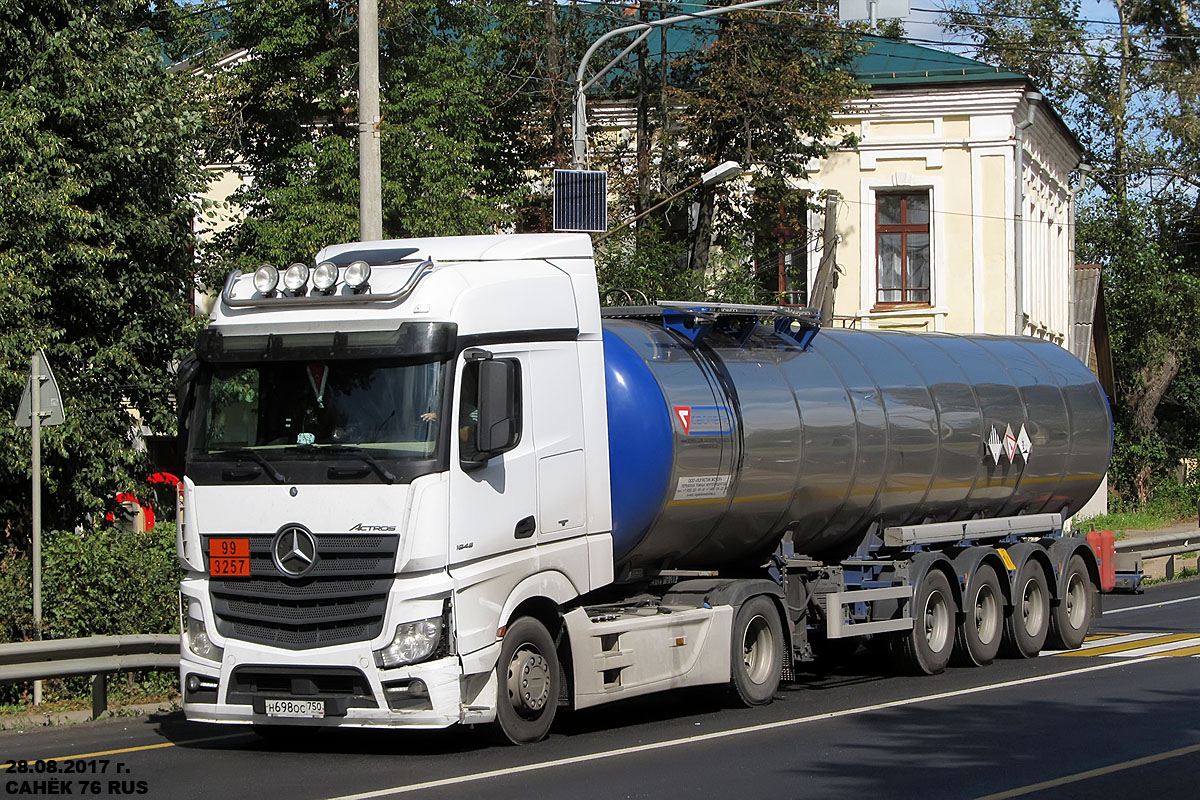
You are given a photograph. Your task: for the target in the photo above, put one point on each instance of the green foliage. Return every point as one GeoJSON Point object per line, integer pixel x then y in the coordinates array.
{"type": "Point", "coordinates": [97, 163]}
{"type": "Point", "coordinates": [97, 583]}
{"type": "Point", "coordinates": [654, 263]}
{"type": "Point", "coordinates": [1152, 290]}
{"type": "Point", "coordinates": [286, 114]}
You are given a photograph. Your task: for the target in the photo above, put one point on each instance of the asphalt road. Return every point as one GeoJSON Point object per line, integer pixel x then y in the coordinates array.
{"type": "Point", "coordinates": [1121, 717]}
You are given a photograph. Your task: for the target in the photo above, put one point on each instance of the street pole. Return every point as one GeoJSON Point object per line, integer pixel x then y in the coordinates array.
{"type": "Point", "coordinates": [35, 372]}
{"type": "Point", "coordinates": [579, 116]}
{"type": "Point", "coordinates": [370, 192]}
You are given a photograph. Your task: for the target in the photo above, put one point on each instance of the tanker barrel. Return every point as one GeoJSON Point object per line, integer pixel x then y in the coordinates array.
{"type": "Point", "coordinates": [724, 438]}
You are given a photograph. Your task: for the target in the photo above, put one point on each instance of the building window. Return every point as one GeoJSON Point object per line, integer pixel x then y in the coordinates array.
{"type": "Point", "coordinates": [902, 247]}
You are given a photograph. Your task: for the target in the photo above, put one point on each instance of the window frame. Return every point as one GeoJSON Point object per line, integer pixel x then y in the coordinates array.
{"type": "Point", "coordinates": [904, 229]}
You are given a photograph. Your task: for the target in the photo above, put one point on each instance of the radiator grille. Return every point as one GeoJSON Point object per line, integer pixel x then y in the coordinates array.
{"type": "Point", "coordinates": [343, 598]}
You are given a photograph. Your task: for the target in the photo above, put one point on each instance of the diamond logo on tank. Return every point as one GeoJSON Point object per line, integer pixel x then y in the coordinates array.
{"type": "Point", "coordinates": [1009, 445]}
{"type": "Point", "coordinates": [294, 551]}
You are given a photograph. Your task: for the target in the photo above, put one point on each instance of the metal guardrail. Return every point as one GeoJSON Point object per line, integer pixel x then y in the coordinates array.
{"type": "Point", "coordinates": [1162, 544]}
{"type": "Point", "coordinates": [98, 656]}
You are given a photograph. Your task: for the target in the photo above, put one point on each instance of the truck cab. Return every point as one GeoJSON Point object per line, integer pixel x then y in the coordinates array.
{"type": "Point", "coordinates": [386, 457]}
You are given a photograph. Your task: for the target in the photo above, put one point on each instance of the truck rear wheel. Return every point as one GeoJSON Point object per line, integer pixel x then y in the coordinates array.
{"type": "Point", "coordinates": [527, 674]}
{"type": "Point", "coordinates": [926, 649]}
{"type": "Point", "coordinates": [1071, 617]}
{"type": "Point", "coordinates": [757, 657]}
{"type": "Point", "coordinates": [1028, 621]}
{"type": "Point", "coordinates": [978, 637]}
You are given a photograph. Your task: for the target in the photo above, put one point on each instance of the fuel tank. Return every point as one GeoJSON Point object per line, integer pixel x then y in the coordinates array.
{"type": "Point", "coordinates": [722, 444]}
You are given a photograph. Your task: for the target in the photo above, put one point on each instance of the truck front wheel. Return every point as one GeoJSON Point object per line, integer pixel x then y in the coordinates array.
{"type": "Point", "coordinates": [528, 677]}
{"type": "Point", "coordinates": [757, 657]}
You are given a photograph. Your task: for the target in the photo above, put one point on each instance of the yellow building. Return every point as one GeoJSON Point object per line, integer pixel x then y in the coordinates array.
{"type": "Point", "coordinates": [956, 211]}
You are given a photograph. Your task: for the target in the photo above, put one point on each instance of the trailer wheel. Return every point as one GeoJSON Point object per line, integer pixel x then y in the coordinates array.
{"type": "Point", "coordinates": [528, 676]}
{"type": "Point", "coordinates": [1071, 617]}
{"type": "Point", "coordinates": [757, 657]}
{"type": "Point", "coordinates": [926, 649]}
{"type": "Point", "coordinates": [1028, 621]}
{"type": "Point", "coordinates": [978, 637]}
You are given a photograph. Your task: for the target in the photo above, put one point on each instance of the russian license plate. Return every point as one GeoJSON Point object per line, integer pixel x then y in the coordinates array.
{"type": "Point", "coordinates": [229, 558]}
{"type": "Point", "coordinates": [308, 709]}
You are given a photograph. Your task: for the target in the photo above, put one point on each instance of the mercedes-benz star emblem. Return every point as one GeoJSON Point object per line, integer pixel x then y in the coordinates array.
{"type": "Point", "coordinates": [294, 551]}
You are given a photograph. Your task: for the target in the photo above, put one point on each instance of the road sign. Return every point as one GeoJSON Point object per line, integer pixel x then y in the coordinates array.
{"type": "Point", "coordinates": [50, 400]}
{"type": "Point", "coordinates": [580, 200]}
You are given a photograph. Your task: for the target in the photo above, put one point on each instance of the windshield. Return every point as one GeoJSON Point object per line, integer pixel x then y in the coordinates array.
{"type": "Point", "coordinates": [387, 408]}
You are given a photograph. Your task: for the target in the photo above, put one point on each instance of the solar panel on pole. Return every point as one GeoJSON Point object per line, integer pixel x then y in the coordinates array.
{"type": "Point", "coordinates": [580, 200]}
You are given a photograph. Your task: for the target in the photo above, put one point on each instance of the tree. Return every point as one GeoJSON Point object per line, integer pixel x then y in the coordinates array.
{"type": "Point", "coordinates": [1129, 89]}
{"type": "Point", "coordinates": [96, 168]}
{"type": "Point", "coordinates": [763, 91]}
{"type": "Point", "coordinates": [287, 111]}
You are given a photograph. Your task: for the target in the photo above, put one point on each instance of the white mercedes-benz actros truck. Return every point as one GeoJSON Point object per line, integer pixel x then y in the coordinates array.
{"type": "Point", "coordinates": [431, 482]}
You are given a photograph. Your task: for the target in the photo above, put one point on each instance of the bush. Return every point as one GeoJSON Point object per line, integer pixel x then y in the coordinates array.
{"type": "Point", "coordinates": [95, 583]}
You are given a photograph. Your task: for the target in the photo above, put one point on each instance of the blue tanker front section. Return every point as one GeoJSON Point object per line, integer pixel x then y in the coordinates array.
{"type": "Point", "coordinates": [640, 446]}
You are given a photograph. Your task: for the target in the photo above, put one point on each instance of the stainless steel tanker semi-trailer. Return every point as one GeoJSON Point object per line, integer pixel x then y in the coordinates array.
{"type": "Point", "coordinates": [433, 482]}
{"type": "Point", "coordinates": [894, 476]}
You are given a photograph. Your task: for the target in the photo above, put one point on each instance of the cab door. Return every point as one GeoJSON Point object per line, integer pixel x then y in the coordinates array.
{"type": "Point", "coordinates": [493, 499]}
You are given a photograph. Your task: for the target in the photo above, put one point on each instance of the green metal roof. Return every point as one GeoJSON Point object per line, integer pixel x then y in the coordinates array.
{"type": "Point", "coordinates": [900, 63]}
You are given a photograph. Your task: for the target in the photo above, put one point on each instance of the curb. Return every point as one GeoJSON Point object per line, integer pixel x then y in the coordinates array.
{"type": "Point", "coordinates": [34, 719]}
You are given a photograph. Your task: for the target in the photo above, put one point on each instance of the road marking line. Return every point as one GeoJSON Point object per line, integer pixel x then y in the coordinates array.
{"type": "Point", "coordinates": [1092, 773]}
{"type": "Point", "coordinates": [705, 737]}
{"type": "Point", "coordinates": [1091, 643]}
{"type": "Point", "coordinates": [1174, 648]}
{"type": "Point", "coordinates": [1138, 646]}
{"type": "Point", "coordinates": [1151, 605]}
{"type": "Point", "coordinates": [146, 747]}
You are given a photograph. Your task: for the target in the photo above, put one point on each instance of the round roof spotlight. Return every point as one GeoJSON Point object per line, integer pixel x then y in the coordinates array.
{"type": "Point", "coordinates": [296, 278]}
{"type": "Point", "coordinates": [325, 277]}
{"type": "Point", "coordinates": [266, 278]}
{"type": "Point", "coordinates": [357, 275]}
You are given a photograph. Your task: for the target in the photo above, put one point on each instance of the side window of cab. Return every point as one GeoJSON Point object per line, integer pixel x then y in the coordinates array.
{"type": "Point", "coordinates": [489, 415]}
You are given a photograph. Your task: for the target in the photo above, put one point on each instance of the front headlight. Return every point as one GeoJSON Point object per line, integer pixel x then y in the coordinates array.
{"type": "Point", "coordinates": [266, 278]}
{"type": "Point", "coordinates": [413, 642]}
{"type": "Point", "coordinates": [197, 635]}
{"type": "Point", "coordinates": [296, 277]}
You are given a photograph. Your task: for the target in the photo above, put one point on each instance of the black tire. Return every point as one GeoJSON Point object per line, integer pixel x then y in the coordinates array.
{"type": "Point", "coordinates": [1072, 614]}
{"type": "Point", "coordinates": [527, 676]}
{"type": "Point", "coordinates": [926, 649]}
{"type": "Point", "coordinates": [1027, 622]}
{"type": "Point", "coordinates": [756, 663]}
{"type": "Point", "coordinates": [977, 640]}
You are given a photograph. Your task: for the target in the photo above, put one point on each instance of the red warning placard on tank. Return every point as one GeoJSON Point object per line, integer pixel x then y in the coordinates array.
{"type": "Point", "coordinates": [703, 420]}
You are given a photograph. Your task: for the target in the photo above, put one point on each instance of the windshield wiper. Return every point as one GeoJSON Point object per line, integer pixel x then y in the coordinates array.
{"type": "Point", "coordinates": [366, 457]}
{"type": "Point", "coordinates": [246, 452]}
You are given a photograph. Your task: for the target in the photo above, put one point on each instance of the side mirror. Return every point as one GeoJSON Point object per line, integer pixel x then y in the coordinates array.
{"type": "Point", "coordinates": [185, 396]}
{"type": "Point", "coordinates": [499, 403]}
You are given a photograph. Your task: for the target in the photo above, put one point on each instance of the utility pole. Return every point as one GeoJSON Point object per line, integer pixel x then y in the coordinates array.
{"type": "Point", "coordinates": [370, 191]}
{"type": "Point", "coordinates": [826, 278]}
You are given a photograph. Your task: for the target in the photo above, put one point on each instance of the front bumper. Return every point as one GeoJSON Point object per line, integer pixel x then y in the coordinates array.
{"type": "Point", "coordinates": [452, 696]}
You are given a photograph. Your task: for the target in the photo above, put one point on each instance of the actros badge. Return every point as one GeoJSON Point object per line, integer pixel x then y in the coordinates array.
{"type": "Point", "coordinates": [294, 551]}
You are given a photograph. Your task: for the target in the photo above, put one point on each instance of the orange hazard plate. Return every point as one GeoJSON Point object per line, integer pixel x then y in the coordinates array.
{"type": "Point", "coordinates": [229, 558]}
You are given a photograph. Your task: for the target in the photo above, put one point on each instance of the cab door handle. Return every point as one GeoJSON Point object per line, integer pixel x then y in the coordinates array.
{"type": "Point", "coordinates": [525, 528]}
